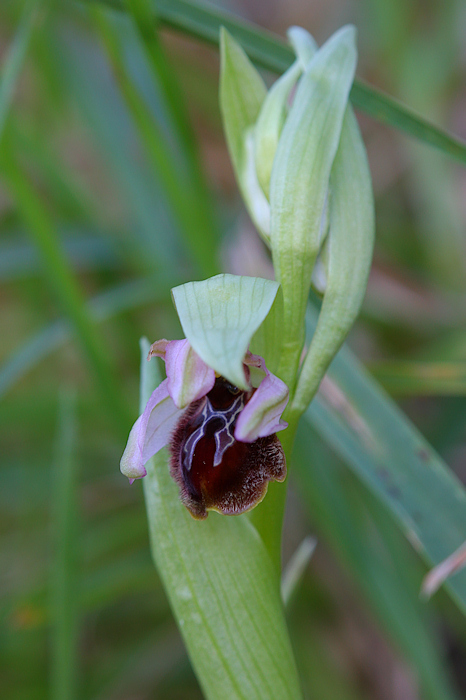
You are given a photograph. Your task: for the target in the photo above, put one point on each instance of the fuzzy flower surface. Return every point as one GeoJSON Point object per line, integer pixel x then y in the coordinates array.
{"type": "Point", "coordinates": [222, 440]}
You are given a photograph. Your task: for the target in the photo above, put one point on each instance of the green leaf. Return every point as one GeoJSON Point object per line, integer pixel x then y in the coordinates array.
{"type": "Point", "coordinates": [242, 93]}
{"type": "Point", "coordinates": [365, 538]}
{"type": "Point", "coordinates": [62, 281]}
{"type": "Point", "coordinates": [300, 180]}
{"type": "Point", "coordinates": [222, 588]}
{"type": "Point", "coordinates": [14, 61]}
{"type": "Point", "coordinates": [64, 582]}
{"type": "Point", "coordinates": [363, 425]}
{"type": "Point", "coordinates": [220, 315]}
{"type": "Point", "coordinates": [420, 378]}
{"type": "Point", "coordinates": [183, 197]}
{"type": "Point", "coordinates": [203, 21]}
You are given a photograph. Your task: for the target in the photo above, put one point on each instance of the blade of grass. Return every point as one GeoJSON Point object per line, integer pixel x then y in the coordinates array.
{"type": "Point", "coordinates": [64, 584]}
{"type": "Point", "coordinates": [141, 11]}
{"type": "Point", "coordinates": [87, 79]}
{"type": "Point", "coordinates": [372, 435]}
{"type": "Point", "coordinates": [14, 60]}
{"type": "Point", "coordinates": [166, 79]}
{"type": "Point", "coordinates": [417, 378]}
{"type": "Point", "coordinates": [365, 539]}
{"type": "Point", "coordinates": [63, 283]}
{"type": "Point", "coordinates": [203, 21]}
{"type": "Point", "coordinates": [122, 298]}
{"type": "Point", "coordinates": [180, 192]}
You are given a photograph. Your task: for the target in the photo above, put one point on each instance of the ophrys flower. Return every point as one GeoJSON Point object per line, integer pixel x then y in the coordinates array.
{"type": "Point", "coordinates": [222, 440]}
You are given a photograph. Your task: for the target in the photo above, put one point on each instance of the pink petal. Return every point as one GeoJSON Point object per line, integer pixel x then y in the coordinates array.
{"type": "Point", "coordinates": [261, 415]}
{"type": "Point", "coordinates": [189, 378]}
{"type": "Point", "coordinates": [150, 433]}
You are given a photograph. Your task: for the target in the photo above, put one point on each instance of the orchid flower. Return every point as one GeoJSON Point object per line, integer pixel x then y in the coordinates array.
{"type": "Point", "coordinates": [222, 439]}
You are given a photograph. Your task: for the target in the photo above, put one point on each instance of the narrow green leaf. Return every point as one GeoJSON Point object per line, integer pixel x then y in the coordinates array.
{"type": "Point", "coordinates": [166, 80]}
{"type": "Point", "coordinates": [121, 298]}
{"type": "Point", "coordinates": [220, 315]}
{"type": "Point", "coordinates": [222, 588]}
{"type": "Point", "coordinates": [182, 196]}
{"type": "Point", "coordinates": [203, 21]}
{"type": "Point", "coordinates": [64, 583]}
{"type": "Point", "coordinates": [62, 281]}
{"type": "Point", "coordinates": [296, 567]}
{"type": "Point", "coordinates": [418, 378]}
{"type": "Point", "coordinates": [365, 538]}
{"type": "Point", "coordinates": [362, 424]}
{"type": "Point", "coordinates": [14, 60]}
{"type": "Point", "coordinates": [300, 181]}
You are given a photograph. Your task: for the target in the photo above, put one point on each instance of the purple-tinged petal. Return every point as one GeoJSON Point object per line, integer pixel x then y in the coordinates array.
{"type": "Point", "coordinates": [150, 433]}
{"type": "Point", "coordinates": [261, 415]}
{"type": "Point", "coordinates": [189, 378]}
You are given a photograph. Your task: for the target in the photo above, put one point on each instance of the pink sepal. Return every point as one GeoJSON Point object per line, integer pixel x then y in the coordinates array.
{"type": "Point", "coordinates": [189, 378]}
{"type": "Point", "coordinates": [150, 433]}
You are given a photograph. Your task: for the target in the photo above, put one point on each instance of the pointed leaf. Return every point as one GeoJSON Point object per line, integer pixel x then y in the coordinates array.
{"type": "Point", "coordinates": [379, 443]}
{"type": "Point", "coordinates": [220, 315]}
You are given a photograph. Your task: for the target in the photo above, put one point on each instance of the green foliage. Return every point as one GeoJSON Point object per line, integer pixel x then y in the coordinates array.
{"type": "Point", "coordinates": [113, 191]}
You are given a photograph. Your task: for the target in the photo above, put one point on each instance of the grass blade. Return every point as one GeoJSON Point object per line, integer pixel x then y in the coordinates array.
{"type": "Point", "coordinates": [365, 539]}
{"type": "Point", "coordinates": [62, 281]}
{"type": "Point", "coordinates": [64, 588]}
{"type": "Point", "coordinates": [203, 21]}
{"type": "Point", "coordinates": [182, 196]}
{"type": "Point", "coordinates": [122, 298]}
{"type": "Point", "coordinates": [14, 61]}
{"type": "Point", "coordinates": [372, 435]}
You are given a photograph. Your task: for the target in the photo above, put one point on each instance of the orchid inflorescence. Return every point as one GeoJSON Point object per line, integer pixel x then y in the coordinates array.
{"type": "Point", "coordinates": [301, 167]}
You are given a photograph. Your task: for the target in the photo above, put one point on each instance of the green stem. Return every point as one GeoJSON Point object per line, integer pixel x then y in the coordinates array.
{"type": "Point", "coordinates": [268, 516]}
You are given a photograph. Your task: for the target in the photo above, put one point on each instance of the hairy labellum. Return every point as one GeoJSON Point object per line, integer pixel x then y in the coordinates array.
{"type": "Point", "coordinates": [213, 469]}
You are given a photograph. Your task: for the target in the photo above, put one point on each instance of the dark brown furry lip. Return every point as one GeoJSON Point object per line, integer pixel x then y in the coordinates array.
{"type": "Point", "coordinates": [213, 470]}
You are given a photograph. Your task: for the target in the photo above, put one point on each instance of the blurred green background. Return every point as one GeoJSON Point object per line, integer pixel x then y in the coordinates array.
{"type": "Point", "coordinates": [115, 186]}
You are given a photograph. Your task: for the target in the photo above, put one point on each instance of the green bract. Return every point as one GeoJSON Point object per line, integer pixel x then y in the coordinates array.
{"type": "Point", "coordinates": [242, 92]}
{"type": "Point", "coordinates": [345, 259]}
{"type": "Point", "coordinates": [220, 315]}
